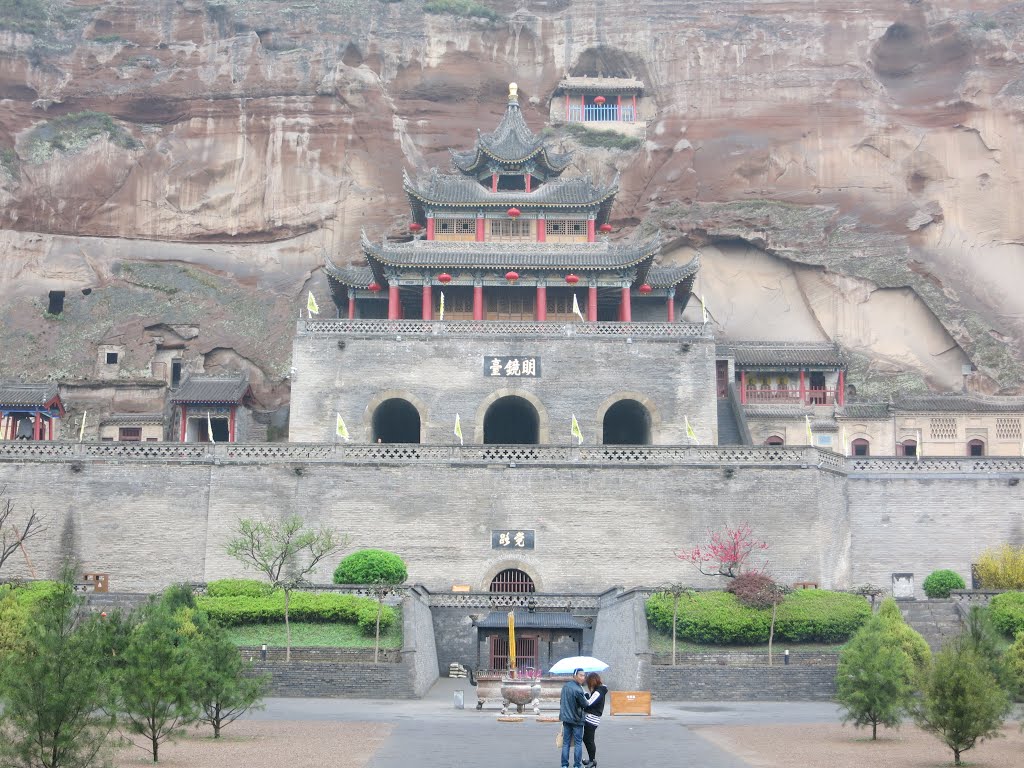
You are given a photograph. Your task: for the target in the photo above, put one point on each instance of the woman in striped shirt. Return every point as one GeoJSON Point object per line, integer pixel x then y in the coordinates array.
{"type": "Point", "coordinates": [597, 692]}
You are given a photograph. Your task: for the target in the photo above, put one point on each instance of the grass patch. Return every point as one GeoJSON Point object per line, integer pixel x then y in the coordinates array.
{"type": "Point", "coordinates": [23, 15]}
{"type": "Point", "coordinates": [601, 139]}
{"type": "Point", "coordinates": [310, 635]}
{"type": "Point", "coordinates": [9, 163]}
{"type": "Point", "coordinates": [466, 8]}
{"type": "Point", "coordinates": [660, 641]}
{"type": "Point", "coordinates": [72, 133]}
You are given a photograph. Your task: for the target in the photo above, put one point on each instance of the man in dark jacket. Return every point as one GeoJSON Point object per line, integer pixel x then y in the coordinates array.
{"type": "Point", "coordinates": [570, 712]}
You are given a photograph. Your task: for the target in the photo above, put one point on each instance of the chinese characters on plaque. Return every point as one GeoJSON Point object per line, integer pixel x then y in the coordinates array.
{"type": "Point", "coordinates": [512, 539]}
{"type": "Point", "coordinates": [519, 367]}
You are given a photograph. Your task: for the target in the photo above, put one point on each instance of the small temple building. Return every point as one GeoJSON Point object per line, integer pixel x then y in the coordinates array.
{"type": "Point", "coordinates": [505, 237]}
{"type": "Point", "coordinates": [208, 408]}
{"type": "Point", "coordinates": [30, 411]}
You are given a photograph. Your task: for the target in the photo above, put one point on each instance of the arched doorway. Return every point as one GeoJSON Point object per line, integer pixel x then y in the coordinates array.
{"type": "Point", "coordinates": [511, 420]}
{"type": "Point", "coordinates": [976, 447]}
{"type": "Point", "coordinates": [861, 447]}
{"type": "Point", "coordinates": [627, 422]}
{"type": "Point", "coordinates": [512, 580]}
{"type": "Point", "coordinates": [396, 421]}
{"type": "Point", "coordinates": [775, 440]}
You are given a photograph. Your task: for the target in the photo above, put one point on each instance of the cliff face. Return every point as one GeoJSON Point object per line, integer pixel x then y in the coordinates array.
{"type": "Point", "coordinates": [846, 174]}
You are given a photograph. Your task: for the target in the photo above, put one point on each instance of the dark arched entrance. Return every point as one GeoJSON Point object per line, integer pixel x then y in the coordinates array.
{"type": "Point", "coordinates": [511, 421]}
{"type": "Point", "coordinates": [512, 580]}
{"type": "Point", "coordinates": [396, 421]}
{"type": "Point", "coordinates": [627, 422]}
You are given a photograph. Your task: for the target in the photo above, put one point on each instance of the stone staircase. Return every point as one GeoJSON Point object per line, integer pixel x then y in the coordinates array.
{"type": "Point", "coordinates": [938, 621]}
{"type": "Point", "coordinates": [728, 431]}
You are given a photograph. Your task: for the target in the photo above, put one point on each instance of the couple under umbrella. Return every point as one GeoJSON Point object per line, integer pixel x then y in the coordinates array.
{"type": "Point", "coordinates": [580, 708]}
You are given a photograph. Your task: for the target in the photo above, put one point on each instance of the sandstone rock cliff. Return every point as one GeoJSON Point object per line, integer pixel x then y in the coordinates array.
{"type": "Point", "coordinates": [848, 173]}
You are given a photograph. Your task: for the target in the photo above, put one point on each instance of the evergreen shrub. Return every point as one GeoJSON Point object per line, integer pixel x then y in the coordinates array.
{"type": "Point", "coordinates": [304, 606]}
{"type": "Point", "coordinates": [719, 618]}
{"type": "Point", "coordinates": [1001, 567]}
{"type": "Point", "coordinates": [371, 566]}
{"type": "Point", "coordinates": [238, 588]}
{"type": "Point", "coordinates": [938, 584]}
{"type": "Point", "coordinates": [1007, 612]}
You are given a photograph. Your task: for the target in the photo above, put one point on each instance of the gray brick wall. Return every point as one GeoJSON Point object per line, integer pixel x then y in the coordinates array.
{"type": "Point", "coordinates": [419, 652]}
{"type": "Point", "coordinates": [445, 376]}
{"type": "Point", "coordinates": [716, 683]}
{"type": "Point", "coordinates": [338, 680]}
{"type": "Point", "coordinates": [620, 639]}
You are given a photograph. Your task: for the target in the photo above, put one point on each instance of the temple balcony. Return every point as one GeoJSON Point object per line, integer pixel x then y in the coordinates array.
{"type": "Point", "coordinates": [790, 397]}
{"type": "Point", "coordinates": [517, 328]}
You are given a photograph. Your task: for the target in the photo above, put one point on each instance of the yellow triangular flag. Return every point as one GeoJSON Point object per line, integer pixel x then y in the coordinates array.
{"type": "Point", "coordinates": [689, 430]}
{"type": "Point", "coordinates": [576, 308]}
{"type": "Point", "coordinates": [440, 312]}
{"type": "Point", "coordinates": [810, 434]}
{"type": "Point", "coordinates": [311, 306]}
{"type": "Point", "coordinates": [342, 430]}
{"type": "Point", "coordinates": [576, 431]}
{"type": "Point", "coordinates": [458, 428]}
{"type": "Point", "coordinates": [703, 310]}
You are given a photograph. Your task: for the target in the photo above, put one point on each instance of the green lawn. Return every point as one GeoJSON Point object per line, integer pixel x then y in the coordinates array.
{"type": "Point", "coordinates": [661, 642]}
{"type": "Point", "coordinates": [310, 635]}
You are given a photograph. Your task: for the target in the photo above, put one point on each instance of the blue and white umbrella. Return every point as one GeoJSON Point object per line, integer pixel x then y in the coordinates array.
{"type": "Point", "coordinates": [567, 665]}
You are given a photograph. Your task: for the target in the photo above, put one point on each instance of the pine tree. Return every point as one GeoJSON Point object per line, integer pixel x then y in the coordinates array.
{"type": "Point", "coordinates": [156, 678]}
{"type": "Point", "coordinates": [873, 680]}
{"type": "Point", "coordinates": [54, 689]}
{"type": "Point", "coordinates": [224, 688]}
{"type": "Point", "coordinates": [962, 702]}
{"type": "Point", "coordinates": [902, 634]}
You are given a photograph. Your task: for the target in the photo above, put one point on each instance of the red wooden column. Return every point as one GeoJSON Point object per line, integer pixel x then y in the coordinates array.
{"type": "Point", "coordinates": [841, 389]}
{"type": "Point", "coordinates": [591, 234]}
{"type": "Point", "coordinates": [670, 305]}
{"type": "Point", "coordinates": [542, 302]}
{"type": "Point", "coordinates": [619, 113]}
{"type": "Point", "coordinates": [480, 227]}
{"type": "Point", "coordinates": [583, 108]}
{"type": "Point", "coordinates": [494, 182]}
{"type": "Point", "coordinates": [184, 422]}
{"type": "Point", "coordinates": [743, 387]}
{"type": "Point", "coordinates": [231, 424]}
{"type": "Point", "coordinates": [430, 228]}
{"type": "Point", "coordinates": [428, 302]}
{"type": "Point", "coordinates": [527, 180]}
{"type": "Point", "coordinates": [478, 302]}
{"type": "Point", "coordinates": [803, 387]}
{"type": "Point", "coordinates": [351, 304]}
{"type": "Point", "coordinates": [542, 228]}
{"type": "Point", "coordinates": [592, 303]}
{"type": "Point", "coordinates": [627, 310]}
{"type": "Point", "coordinates": [394, 304]}
{"type": "Point", "coordinates": [634, 108]}
{"type": "Point", "coordinates": [37, 426]}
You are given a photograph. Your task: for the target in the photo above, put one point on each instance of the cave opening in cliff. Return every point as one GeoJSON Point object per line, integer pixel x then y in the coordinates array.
{"type": "Point", "coordinates": [396, 421]}
{"type": "Point", "coordinates": [627, 422]}
{"type": "Point", "coordinates": [511, 420]}
{"type": "Point", "coordinates": [56, 304]}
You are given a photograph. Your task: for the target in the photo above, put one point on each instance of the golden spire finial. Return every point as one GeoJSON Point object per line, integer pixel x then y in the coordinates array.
{"type": "Point", "coordinates": [513, 92]}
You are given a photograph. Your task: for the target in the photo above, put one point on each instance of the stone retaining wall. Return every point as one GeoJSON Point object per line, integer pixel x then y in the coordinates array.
{"type": "Point", "coordinates": [338, 680]}
{"type": "Point", "coordinates": [325, 655]}
{"type": "Point", "coordinates": [758, 659]}
{"type": "Point", "coordinates": [718, 683]}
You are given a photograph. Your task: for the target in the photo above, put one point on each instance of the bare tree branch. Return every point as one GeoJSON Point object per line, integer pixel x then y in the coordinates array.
{"type": "Point", "coordinates": [12, 534]}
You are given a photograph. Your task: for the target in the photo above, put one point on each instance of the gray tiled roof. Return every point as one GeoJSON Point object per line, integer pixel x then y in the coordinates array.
{"type": "Point", "coordinates": [598, 83]}
{"type": "Point", "coordinates": [15, 395]}
{"type": "Point", "coordinates": [428, 254]}
{"type": "Point", "coordinates": [355, 277]}
{"type": "Point", "coordinates": [527, 620]}
{"type": "Point", "coordinates": [776, 353]}
{"type": "Point", "coordinates": [666, 277]}
{"type": "Point", "coordinates": [511, 142]}
{"type": "Point", "coordinates": [447, 189]}
{"type": "Point", "coordinates": [961, 403]}
{"type": "Point", "coordinates": [774, 411]}
{"type": "Point", "coordinates": [204, 388]}
{"type": "Point", "coordinates": [133, 418]}
{"type": "Point", "coordinates": [864, 411]}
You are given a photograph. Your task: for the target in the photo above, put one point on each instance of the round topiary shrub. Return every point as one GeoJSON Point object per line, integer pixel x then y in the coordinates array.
{"type": "Point", "coordinates": [939, 583]}
{"type": "Point", "coordinates": [371, 566]}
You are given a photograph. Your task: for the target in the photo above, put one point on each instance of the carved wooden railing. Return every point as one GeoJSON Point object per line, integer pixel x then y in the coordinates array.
{"type": "Point", "coordinates": [377, 328]}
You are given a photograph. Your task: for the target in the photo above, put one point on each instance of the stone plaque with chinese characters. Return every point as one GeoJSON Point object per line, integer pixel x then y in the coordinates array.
{"type": "Point", "coordinates": [512, 538]}
{"type": "Point", "coordinates": [516, 367]}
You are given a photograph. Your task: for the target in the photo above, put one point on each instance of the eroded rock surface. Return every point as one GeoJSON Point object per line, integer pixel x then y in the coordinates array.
{"type": "Point", "coordinates": [848, 173]}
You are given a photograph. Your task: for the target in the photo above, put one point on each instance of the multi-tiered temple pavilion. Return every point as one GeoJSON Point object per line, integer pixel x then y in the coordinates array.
{"type": "Point", "coordinates": [505, 237]}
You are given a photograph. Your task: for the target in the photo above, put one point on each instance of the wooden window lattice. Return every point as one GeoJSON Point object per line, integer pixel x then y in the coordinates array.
{"type": "Point", "coordinates": [566, 227]}
{"type": "Point", "coordinates": [455, 226]}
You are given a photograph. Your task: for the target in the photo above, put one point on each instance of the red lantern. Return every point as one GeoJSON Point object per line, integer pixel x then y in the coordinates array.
{"type": "Point", "coordinates": [605, 228]}
{"type": "Point", "coordinates": [599, 100]}
{"type": "Point", "coordinates": [374, 286]}
{"type": "Point", "coordinates": [512, 276]}
{"type": "Point", "coordinates": [444, 277]}
{"type": "Point", "coordinates": [414, 227]}
{"type": "Point", "coordinates": [514, 212]}
{"type": "Point", "coordinates": [572, 279]}
{"type": "Point", "coordinates": [645, 289]}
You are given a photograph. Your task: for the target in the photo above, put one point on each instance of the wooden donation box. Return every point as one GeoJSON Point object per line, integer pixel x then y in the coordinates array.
{"type": "Point", "coordinates": [631, 702]}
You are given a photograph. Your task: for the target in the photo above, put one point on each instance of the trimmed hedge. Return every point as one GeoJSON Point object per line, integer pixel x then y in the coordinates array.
{"type": "Point", "coordinates": [371, 566]}
{"type": "Point", "coordinates": [238, 588]}
{"type": "Point", "coordinates": [1007, 612]}
{"type": "Point", "coordinates": [807, 615]}
{"type": "Point", "coordinates": [304, 606]}
{"type": "Point", "coordinates": [938, 584]}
